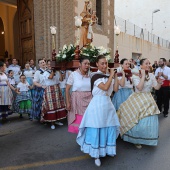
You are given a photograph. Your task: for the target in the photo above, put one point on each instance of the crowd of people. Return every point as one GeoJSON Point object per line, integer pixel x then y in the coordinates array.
{"type": "Point", "coordinates": [98, 105]}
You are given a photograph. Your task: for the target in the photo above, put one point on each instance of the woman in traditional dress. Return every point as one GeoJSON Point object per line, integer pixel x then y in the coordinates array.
{"type": "Point", "coordinates": [6, 96]}
{"type": "Point", "coordinates": [99, 128]}
{"type": "Point", "coordinates": [77, 103]}
{"type": "Point", "coordinates": [53, 106]}
{"type": "Point", "coordinates": [23, 98]}
{"type": "Point", "coordinates": [138, 115]}
{"type": "Point", "coordinates": [125, 84]}
{"type": "Point", "coordinates": [39, 86]}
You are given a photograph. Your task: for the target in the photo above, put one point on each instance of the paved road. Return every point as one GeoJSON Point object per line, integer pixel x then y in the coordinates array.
{"type": "Point", "coordinates": [33, 146]}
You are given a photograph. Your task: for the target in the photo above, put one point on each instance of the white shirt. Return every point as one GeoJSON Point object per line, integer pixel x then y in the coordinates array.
{"type": "Point", "coordinates": [63, 84]}
{"type": "Point", "coordinates": [51, 82]}
{"type": "Point", "coordinates": [97, 91]}
{"type": "Point", "coordinates": [38, 77]}
{"type": "Point", "coordinates": [3, 79]}
{"type": "Point", "coordinates": [17, 71]}
{"type": "Point", "coordinates": [29, 73]}
{"type": "Point", "coordinates": [147, 84]}
{"type": "Point", "coordinates": [23, 86]}
{"type": "Point", "coordinates": [11, 80]}
{"type": "Point", "coordinates": [165, 70]}
{"type": "Point", "coordinates": [79, 82]}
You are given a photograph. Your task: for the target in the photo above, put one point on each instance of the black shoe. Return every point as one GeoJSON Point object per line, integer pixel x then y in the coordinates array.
{"type": "Point", "coordinates": [20, 116]}
{"type": "Point", "coordinates": [166, 115]}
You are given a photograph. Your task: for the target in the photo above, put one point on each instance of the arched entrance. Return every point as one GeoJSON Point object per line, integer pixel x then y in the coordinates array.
{"type": "Point", "coordinates": [2, 40]}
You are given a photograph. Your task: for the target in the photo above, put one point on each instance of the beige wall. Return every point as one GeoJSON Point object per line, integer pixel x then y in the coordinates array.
{"type": "Point", "coordinates": [7, 14]}
{"type": "Point", "coordinates": [128, 44]}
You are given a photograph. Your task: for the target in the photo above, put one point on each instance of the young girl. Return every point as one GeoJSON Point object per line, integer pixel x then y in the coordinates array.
{"type": "Point", "coordinates": [99, 128]}
{"type": "Point", "coordinates": [6, 96]}
{"type": "Point", "coordinates": [23, 99]}
{"type": "Point", "coordinates": [13, 84]}
{"type": "Point", "coordinates": [11, 78]}
{"type": "Point", "coordinates": [29, 74]}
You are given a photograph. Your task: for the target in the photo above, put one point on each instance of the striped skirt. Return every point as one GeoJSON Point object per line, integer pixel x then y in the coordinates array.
{"type": "Point", "coordinates": [6, 98]}
{"type": "Point", "coordinates": [121, 96]}
{"type": "Point", "coordinates": [79, 102]}
{"type": "Point", "coordinates": [37, 100]}
{"type": "Point", "coordinates": [53, 106]}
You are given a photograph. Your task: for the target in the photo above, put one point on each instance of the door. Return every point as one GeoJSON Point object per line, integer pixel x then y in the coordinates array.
{"type": "Point", "coordinates": [26, 31]}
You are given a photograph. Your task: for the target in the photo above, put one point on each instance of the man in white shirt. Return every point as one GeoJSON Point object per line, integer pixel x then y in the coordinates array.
{"type": "Point", "coordinates": [16, 69]}
{"type": "Point", "coordinates": [31, 62]}
{"type": "Point", "coordinates": [163, 72]}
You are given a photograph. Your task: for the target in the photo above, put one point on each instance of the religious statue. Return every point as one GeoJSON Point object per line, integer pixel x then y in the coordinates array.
{"type": "Point", "coordinates": [89, 19]}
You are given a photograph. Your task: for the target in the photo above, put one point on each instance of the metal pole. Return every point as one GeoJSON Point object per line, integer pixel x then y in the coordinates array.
{"type": "Point", "coordinates": [152, 27]}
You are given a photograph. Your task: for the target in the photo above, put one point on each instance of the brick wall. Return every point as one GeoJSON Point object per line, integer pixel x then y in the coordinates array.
{"type": "Point", "coordinates": [60, 13]}
{"type": "Point", "coordinates": [53, 13]}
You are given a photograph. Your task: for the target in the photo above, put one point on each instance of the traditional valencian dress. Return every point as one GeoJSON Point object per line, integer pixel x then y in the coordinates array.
{"type": "Point", "coordinates": [138, 115]}
{"type": "Point", "coordinates": [23, 100]}
{"type": "Point", "coordinates": [123, 92]}
{"type": "Point", "coordinates": [99, 128]}
{"type": "Point", "coordinates": [6, 96]}
{"type": "Point", "coordinates": [53, 106]}
{"type": "Point", "coordinates": [80, 98]}
{"type": "Point", "coordinates": [37, 95]}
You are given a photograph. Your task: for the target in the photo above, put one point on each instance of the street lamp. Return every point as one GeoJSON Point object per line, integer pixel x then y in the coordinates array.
{"type": "Point", "coordinates": [154, 11]}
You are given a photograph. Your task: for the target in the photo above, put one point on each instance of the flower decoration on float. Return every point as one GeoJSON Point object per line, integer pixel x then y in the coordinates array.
{"type": "Point", "coordinates": [90, 51]}
{"type": "Point", "coordinates": [66, 53]}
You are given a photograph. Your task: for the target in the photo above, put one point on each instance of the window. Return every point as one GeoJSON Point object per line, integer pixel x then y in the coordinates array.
{"type": "Point", "coordinates": [99, 11]}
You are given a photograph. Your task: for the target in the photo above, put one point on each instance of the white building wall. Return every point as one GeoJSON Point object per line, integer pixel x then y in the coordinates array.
{"type": "Point", "coordinates": [128, 44]}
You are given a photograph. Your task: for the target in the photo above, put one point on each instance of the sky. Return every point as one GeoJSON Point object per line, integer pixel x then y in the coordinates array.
{"type": "Point", "coordinates": [139, 12]}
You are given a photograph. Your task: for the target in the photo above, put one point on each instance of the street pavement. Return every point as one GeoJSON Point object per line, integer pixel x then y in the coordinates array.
{"type": "Point", "coordinates": [33, 146]}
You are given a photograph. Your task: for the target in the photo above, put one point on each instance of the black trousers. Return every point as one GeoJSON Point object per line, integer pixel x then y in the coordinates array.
{"type": "Point", "coordinates": [163, 95]}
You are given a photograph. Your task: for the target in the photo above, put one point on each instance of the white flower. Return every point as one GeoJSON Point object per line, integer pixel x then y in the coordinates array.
{"type": "Point", "coordinates": [102, 51]}
{"type": "Point", "coordinates": [94, 56]}
{"type": "Point", "coordinates": [69, 47]}
{"type": "Point", "coordinates": [108, 57]}
{"type": "Point", "coordinates": [64, 47]}
{"type": "Point", "coordinates": [85, 54]}
{"type": "Point", "coordinates": [64, 56]}
{"type": "Point", "coordinates": [58, 55]}
{"type": "Point", "coordinates": [72, 54]}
